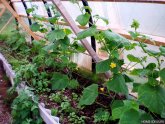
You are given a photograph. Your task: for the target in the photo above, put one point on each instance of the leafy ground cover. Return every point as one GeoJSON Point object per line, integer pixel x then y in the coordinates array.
{"type": "Point", "coordinates": [77, 98]}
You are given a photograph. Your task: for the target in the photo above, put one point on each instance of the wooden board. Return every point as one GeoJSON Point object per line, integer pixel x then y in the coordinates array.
{"type": "Point", "coordinates": [6, 4]}
{"type": "Point", "coordinates": [137, 1]}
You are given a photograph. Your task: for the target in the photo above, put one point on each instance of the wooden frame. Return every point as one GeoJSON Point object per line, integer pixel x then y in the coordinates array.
{"type": "Point", "coordinates": [6, 4]}
{"type": "Point", "coordinates": [137, 1]}
{"type": "Point", "coordinates": [159, 41]}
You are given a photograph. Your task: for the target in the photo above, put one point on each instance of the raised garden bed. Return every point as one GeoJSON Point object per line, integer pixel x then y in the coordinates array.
{"type": "Point", "coordinates": [45, 113]}
{"type": "Point", "coordinates": [50, 75]}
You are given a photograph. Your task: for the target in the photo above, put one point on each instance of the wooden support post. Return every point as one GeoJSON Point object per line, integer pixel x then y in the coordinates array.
{"type": "Point", "coordinates": [6, 4]}
{"type": "Point", "coordinates": [76, 30]}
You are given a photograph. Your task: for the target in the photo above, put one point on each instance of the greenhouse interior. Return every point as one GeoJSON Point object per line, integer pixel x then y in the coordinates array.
{"type": "Point", "coordinates": [82, 62]}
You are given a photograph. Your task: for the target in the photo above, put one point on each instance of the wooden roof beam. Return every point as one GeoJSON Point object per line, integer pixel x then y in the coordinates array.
{"type": "Point", "coordinates": [136, 1]}
{"type": "Point", "coordinates": [159, 41]}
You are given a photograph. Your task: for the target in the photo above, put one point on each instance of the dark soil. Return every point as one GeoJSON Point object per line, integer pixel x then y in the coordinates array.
{"type": "Point", "coordinates": [103, 101]}
{"type": "Point", "coordinates": [5, 117]}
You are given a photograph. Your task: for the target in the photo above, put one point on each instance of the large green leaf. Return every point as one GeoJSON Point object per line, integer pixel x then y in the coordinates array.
{"type": "Point", "coordinates": [49, 47]}
{"type": "Point", "coordinates": [35, 27]}
{"type": "Point", "coordinates": [59, 81]}
{"type": "Point", "coordinates": [103, 66]}
{"type": "Point", "coordinates": [111, 36]}
{"type": "Point", "coordinates": [117, 84]}
{"type": "Point", "coordinates": [86, 33]}
{"type": "Point", "coordinates": [118, 111]}
{"type": "Point", "coordinates": [162, 49]}
{"type": "Point", "coordinates": [162, 74]}
{"type": "Point", "coordinates": [101, 115]}
{"type": "Point", "coordinates": [128, 79]}
{"type": "Point", "coordinates": [151, 66]}
{"type": "Point", "coordinates": [152, 52]}
{"type": "Point", "coordinates": [56, 35]}
{"type": "Point", "coordinates": [89, 95]}
{"type": "Point", "coordinates": [140, 72]}
{"type": "Point", "coordinates": [132, 58]}
{"type": "Point", "coordinates": [131, 116]}
{"type": "Point", "coordinates": [83, 19]}
{"type": "Point", "coordinates": [152, 97]}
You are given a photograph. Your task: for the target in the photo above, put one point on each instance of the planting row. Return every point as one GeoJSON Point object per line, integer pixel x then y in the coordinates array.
{"type": "Point", "coordinates": [77, 96]}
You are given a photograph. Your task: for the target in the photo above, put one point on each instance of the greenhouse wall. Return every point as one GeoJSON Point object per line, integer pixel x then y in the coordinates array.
{"type": "Point", "coordinates": [120, 16]}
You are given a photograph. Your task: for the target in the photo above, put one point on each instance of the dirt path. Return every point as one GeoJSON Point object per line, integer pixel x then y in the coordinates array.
{"type": "Point", "coordinates": [5, 117]}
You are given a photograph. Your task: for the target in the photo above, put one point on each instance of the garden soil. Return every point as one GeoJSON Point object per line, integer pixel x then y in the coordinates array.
{"type": "Point", "coordinates": [5, 117]}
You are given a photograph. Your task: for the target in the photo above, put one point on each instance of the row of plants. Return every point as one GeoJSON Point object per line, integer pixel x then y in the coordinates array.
{"type": "Point", "coordinates": [47, 68]}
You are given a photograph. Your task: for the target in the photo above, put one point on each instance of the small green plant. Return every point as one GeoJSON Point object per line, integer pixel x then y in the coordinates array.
{"type": "Point", "coordinates": [74, 119]}
{"type": "Point", "coordinates": [101, 115]}
{"type": "Point", "coordinates": [54, 112]}
{"type": "Point", "coordinates": [25, 108]}
{"type": "Point", "coordinates": [75, 97]}
{"type": "Point", "coordinates": [56, 97]}
{"type": "Point", "coordinates": [17, 42]}
{"type": "Point", "coordinates": [66, 107]}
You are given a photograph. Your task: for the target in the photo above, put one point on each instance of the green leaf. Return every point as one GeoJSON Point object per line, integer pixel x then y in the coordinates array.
{"type": "Point", "coordinates": [145, 116]}
{"type": "Point", "coordinates": [86, 33]}
{"type": "Point", "coordinates": [162, 74]}
{"type": "Point", "coordinates": [151, 66]}
{"type": "Point", "coordinates": [117, 84]}
{"type": "Point", "coordinates": [153, 52]}
{"type": "Point", "coordinates": [35, 27]}
{"type": "Point", "coordinates": [135, 87]}
{"type": "Point", "coordinates": [49, 47]}
{"type": "Point", "coordinates": [134, 35]}
{"type": "Point", "coordinates": [152, 81]}
{"type": "Point", "coordinates": [59, 81]}
{"type": "Point", "coordinates": [152, 97]}
{"type": "Point", "coordinates": [101, 18]}
{"type": "Point", "coordinates": [127, 78]}
{"type": "Point", "coordinates": [132, 58]}
{"type": "Point", "coordinates": [111, 36]}
{"type": "Point", "coordinates": [162, 50]}
{"type": "Point", "coordinates": [140, 72]}
{"type": "Point", "coordinates": [29, 10]}
{"type": "Point", "coordinates": [83, 19]}
{"type": "Point", "coordinates": [131, 116]}
{"type": "Point", "coordinates": [103, 66]}
{"type": "Point", "coordinates": [90, 94]}
{"type": "Point", "coordinates": [54, 112]}
{"type": "Point", "coordinates": [67, 31]}
{"type": "Point", "coordinates": [131, 46]}
{"type": "Point", "coordinates": [118, 111]}
{"type": "Point", "coordinates": [56, 35]}
{"type": "Point", "coordinates": [117, 104]}
{"type": "Point", "coordinates": [73, 84]}
{"type": "Point", "coordinates": [86, 8]}
{"type": "Point", "coordinates": [135, 24]}
{"type": "Point", "coordinates": [101, 115]}
{"type": "Point", "coordinates": [52, 20]}
{"type": "Point", "coordinates": [39, 17]}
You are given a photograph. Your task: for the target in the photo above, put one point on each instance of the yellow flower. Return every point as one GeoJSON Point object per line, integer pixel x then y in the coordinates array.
{"type": "Point", "coordinates": [112, 65]}
{"type": "Point", "coordinates": [102, 89]}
